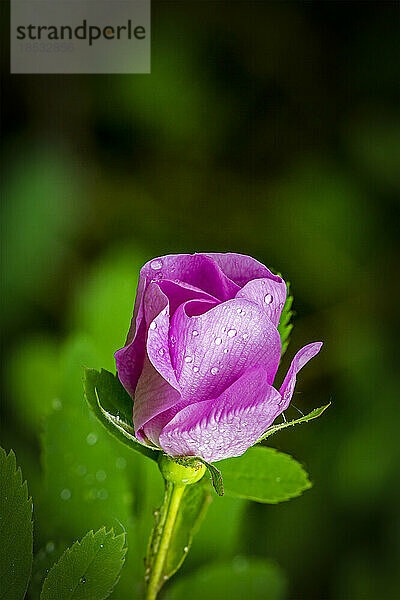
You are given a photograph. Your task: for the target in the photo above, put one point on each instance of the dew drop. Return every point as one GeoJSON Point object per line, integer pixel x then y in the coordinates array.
{"type": "Point", "coordinates": [101, 545]}
{"type": "Point", "coordinates": [186, 549]}
{"type": "Point", "coordinates": [161, 352]}
{"type": "Point", "coordinates": [120, 462]}
{"type": "Point", "coordinates": [101, 475]}
{"type": "Point", "coordinates": [226, 350]}
{"type": "Point", "coordinates": [195, 369]}
{"type": "Point", "coordinates": [245, 336]}
{"type": "Point", "coordinates": [65, 494]}
{"type": "Point", "coordinates": [194, 333]}
{"type": "Point", "coordinates": [268, 299]}
{"type": "Point", "coordinates": [82, 580]}
{"type": "Point", "coordinates": [214, 370]}
{"type": "Point", "coordinates": [91, 438]}
{"type": "Point", "coordinates": [156, 264]}
{"type": "Point", "coordinates": [57, 404]}
{"type": "Point", "coordinates": [153, 325]}
{"type": "Point", "coordinates": [240, 311]}
{"type": "Point", "coordinates": [218, 341]}
{"type": "Point", "coordinates": [188, 359]}
{"type": "Point", "coordinates": [232, 333]}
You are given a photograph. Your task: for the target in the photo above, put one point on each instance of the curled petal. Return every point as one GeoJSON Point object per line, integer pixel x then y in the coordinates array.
{"type": "Point", "coordinates": [302, 357]}
{"type": "Point", "coordinates": [223, 427]}
{"type": "Point", "coordinates": [197, 270]}
{"type": "Point", "coordinates": [241, 268]}
{"type": "Point", "coordinates": [129, 359]}
{"type": "Point", "coordinates": [270, 294]}
{"type": "Point", "coordinates": [210, 351]}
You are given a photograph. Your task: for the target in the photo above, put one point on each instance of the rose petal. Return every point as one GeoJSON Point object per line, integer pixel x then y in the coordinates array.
{"type": "Point", "coordinates": [153, 395]}
{"type": "Point", "coordinates": [223, 427]}
{"type": "Point", "coordinates": [198, 270]}
{"type": "Point", "coordinates": [210, 351]}
{"type": "Point", "coordinates": [241, 268]}
{"type": "Point", "coordinates": [129, 359]}
{"type": "Point", "coordinates": [270, 294]}
{"type": "Point", "coordinates": [302, 357]}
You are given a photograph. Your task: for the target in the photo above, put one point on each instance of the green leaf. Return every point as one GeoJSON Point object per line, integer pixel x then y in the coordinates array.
{"type": "Point", "coordinates": [216, 478]}
{"type": "Point", "coordinates": [314, 414]}
{"type": "Point", "coordinates": [285, 326]}
{"type": "Point", "coordinates": [264, 475]}
{"type": "Point", "coordinates": [193, 508]}
{"type": "Point", "coordinates": [112, 405]}
{"type": "Point", "coordinates": [253, 578]}
{"type": "Point", "coordinates": [88, 570]}
{"type": "Point", "coordinates": [16, 530]}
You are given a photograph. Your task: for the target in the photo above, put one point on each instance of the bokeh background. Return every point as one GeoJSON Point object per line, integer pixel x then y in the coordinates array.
{"type": "Point", "coordinates": [267, 128]}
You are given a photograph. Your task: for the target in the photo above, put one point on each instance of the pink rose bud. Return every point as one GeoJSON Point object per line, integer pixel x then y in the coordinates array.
{"type": "Point", "coordinates": [202, 353]}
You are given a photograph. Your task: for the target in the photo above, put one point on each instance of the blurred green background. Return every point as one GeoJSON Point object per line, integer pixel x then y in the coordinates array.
{"type": "Point", "coordinates": [267, 128]}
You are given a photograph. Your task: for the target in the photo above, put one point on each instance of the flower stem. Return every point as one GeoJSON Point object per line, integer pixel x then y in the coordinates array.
{"type": "Point", "coordinates": [172, 501]}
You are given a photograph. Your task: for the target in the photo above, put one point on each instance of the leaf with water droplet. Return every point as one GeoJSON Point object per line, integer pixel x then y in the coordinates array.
{"type": "Point", "coordinates": [15, 528]}
{"type": "Point", "coordinates": [314, 414]}
{"type": "Point", "coordinates": [264, 475]}
{"type": "Point", "coordinates": [87, 570]}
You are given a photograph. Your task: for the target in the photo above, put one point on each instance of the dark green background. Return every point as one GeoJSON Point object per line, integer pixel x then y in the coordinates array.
{"type": "Point", "coordinates": [267, 128]}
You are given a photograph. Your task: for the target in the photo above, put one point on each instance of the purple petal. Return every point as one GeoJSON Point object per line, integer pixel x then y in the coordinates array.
{"type": "Point", "coordinates": [129, 359]}
{"type": "Point", "coordinates": [223, 427]}
{"type": "Point", "coordinates": [302, 357]}
{"type": "Point", "coordinates": [210, 351]}
{"type": "Point", "coordinates": [197, 270]}
{"type": "Point", "coordinates": [241, 268]}
{"type": "Point", "coordinates": [153, 395]}
{"type": "Point", "coordinates": [268, 293]}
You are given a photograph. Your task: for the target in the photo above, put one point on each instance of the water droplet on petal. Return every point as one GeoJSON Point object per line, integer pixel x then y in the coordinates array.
{"type": "Point", "coordinates": [232, 333]}
{"type": "Point", "coordinates": [214, 370]}
{"type": "Point", "coordinates": [195, 369]}
{"type": "Point", "coordinates": [218, 341]}
{"type": "Point", "coordinates": [245, 336]}
{"type": "Point", "coordinates": [153, 325]}
{"type": "Point", "coordinates": [226, 350]}
{"type": "Point", "coordinates": [161, 352]}
{"type": "Point", "coordinates": [240, 311]}
{"type": "Point", "coordinates": [188, 359]}
{"type": "Point", "coordinates": [156, 264]}
{"type": "Point", "coordinates": [65, 494]}
{"type": "Point", "coordinates": [268, 299]}
{"type": "Point", "coordinates": [194, 333]}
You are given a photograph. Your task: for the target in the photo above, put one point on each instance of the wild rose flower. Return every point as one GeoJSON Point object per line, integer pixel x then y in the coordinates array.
{"type": "Point", "coordinates": [202, 353]}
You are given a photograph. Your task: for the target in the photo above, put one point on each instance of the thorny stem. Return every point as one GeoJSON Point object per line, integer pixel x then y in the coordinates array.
{"type": "Point", "coordinates": [172, 501]}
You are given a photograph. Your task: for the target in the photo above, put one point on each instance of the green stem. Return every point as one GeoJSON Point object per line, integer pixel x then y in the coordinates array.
{"type": "Point", "coordinates": [173, 497]}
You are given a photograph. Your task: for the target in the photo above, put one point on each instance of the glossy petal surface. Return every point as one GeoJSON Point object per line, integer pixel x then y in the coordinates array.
{"type": "Point", "coordinates": [226, 426]}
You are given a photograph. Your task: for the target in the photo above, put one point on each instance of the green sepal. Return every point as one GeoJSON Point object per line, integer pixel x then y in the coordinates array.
{"type": "Point", "coordinates": [16, 530]}
{"type": "Point", "coordinates": [314, 414]}
{"type": "Point", "coordinates": [216, 478]}
{"type": "Point", "coordinates": [112, 406]}
{"type": "Point", "coordinates": [285, 326]}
